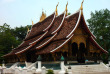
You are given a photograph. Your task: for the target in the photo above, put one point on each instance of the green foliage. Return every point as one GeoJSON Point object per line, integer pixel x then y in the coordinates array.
{"type": "Point", "coordinates": [69, 13]}
{"type": "Point", "coordinates": [99, 24]}
{"type": "Point", "coordinates": [10, 37]}
{"type": "Point", "coordinates": [104, 57]}
{"type": "Point", "coordinates": [6, 40]}
{"type": "Point", "coordinates": [50, 72]}
{"type": "Point", "coordinates": [20, 32]}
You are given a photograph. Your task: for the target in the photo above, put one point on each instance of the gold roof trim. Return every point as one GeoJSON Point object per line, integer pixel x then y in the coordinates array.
{"type": "Point", "coordinates": [66, 9]}
{"type": "Point", "coordinates": [32, 22]}
{"type": "Point", "coordinates": [43, 16]}
{"type": "Point", "coordinates": [56, 12]}
{"type": "Point", "coordinates": [27, 29]}
{"type": "Point", "coordinates": [82, 5]}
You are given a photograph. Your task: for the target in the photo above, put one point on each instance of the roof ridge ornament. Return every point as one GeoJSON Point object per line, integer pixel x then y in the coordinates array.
{"type": "Point", "coordinates": [27, 29]}
{"type": "Point", "coordinates": [56, 12]}
{"type": "Point", "coordinates": [43, 16]}
{"type": "Point", "coordinates": [32, 22]}
{"type": "Point", "coordinates": [66, 9]}
{"type": "Point", "coordinates": [81, 8]}
{"type": "Point", "coordinates": [42, 10]}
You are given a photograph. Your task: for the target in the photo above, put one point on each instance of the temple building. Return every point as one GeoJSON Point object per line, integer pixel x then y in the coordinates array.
{"type": "Point", "coordinates": [58, 35]}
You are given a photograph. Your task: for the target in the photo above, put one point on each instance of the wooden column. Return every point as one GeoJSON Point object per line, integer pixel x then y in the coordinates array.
{"type": "Point", "coordinates": [87, 46]}
{"type": "Point", "coordinates": [70, 48]}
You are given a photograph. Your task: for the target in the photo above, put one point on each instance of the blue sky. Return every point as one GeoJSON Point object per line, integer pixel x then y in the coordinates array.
{"type": "Point", "coordinates": [20, 12]}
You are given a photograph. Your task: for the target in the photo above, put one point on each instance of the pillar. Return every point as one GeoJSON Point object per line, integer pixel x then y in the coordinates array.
{"type": "Point", "coordinates": [3, 64]}
{"type": "Point", "coordinates": [62, 66]}
{"type": "Point", "coordinates": [3, 67]}
{"type": "Point", "coordinates": [109, 60]}
{"type": "Point", "coordinates": [1, 70]}
{"type": "Point", "coordinates": [39, 64]}
{"type": "Point", "coordinates": [43, 70]}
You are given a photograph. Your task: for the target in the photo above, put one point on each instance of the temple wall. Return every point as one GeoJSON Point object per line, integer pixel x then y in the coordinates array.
{"type": "Point", "coordinates": [91, 47]}
{"type": "Point", "coordinates": [79, 37]}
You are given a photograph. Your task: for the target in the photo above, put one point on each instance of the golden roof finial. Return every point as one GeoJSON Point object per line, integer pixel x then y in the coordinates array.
{"type": "Point", "coordinates": [66, 9]}
{"type": "Point", "coordinates": [43, 16]}
{"type": "Point", "coordinates": [42, 11]}
{"type": "Point", "coordinates": [32, 22]}
{"type": "Point", "coordinates": [82, 5]}
{"type": "Point", "coordinates": [56, 9]}
{"type": "Point", "coordinates": [27, 29]}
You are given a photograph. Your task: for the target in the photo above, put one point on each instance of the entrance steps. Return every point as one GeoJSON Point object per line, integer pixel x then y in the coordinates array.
{"type": "Point", "coordinates": [89, 69]}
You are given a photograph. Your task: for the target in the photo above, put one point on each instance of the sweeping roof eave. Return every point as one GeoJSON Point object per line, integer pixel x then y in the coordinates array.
{"type": "Point", "coordinates": [97, 45]}
{"type": "Point", "coordinates": [88, 30]}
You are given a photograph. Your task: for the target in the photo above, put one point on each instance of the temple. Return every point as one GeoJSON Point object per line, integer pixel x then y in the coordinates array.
{"type": "Point", "coordinates": [58, 35]}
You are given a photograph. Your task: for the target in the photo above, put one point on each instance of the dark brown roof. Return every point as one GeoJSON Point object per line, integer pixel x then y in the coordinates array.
{"type": "Point", "coordinates": [52, 45]}
{"type": "Point", "coordinates": [14, 51]}
{"type": "Point", "coordinates": [67, 26]}
{"type": "Point", "coordinates": [56, 24]}
{"type": "Point", "coordinates": [49, 35]}
{"type": "Point", "coordinates": [39, 27]}
{"type": "Point", "coordinates": [27, 43]}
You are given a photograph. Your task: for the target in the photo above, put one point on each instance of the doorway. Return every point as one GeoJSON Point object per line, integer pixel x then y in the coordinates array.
{"type": "Point", "coordinates": [81, 53]}
{"type": "Point", "coordinates": [74, 49]}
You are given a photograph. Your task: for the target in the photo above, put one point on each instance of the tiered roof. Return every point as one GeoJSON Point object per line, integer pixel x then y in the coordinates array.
{"type": "Point", "coordinates": [52, 33]}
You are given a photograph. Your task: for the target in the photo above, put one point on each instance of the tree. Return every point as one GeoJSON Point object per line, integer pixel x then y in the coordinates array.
{"type": "Point", "coordinates": [6, 40]}
{"type": "Point", "coordinates": [99, 24]}
{"type": "Point", "coordinates": [50, 71]}
{"type": "Point", "coordinates": [20, 32]}
{"type": "Point", "coordinates": [69, 13]}
{"type": "Point", "coordinates": [11, 37]}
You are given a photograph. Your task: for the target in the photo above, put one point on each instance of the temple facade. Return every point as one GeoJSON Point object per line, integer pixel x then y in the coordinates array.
{"type": "Point", "coordinates": [58, 35]}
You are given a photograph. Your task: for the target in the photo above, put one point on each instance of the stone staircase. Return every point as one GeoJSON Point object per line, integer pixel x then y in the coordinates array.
{"type": "Point", "coordinates": [89, 69]}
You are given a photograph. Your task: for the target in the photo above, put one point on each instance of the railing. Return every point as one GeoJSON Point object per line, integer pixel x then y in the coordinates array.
{"type": "Point", "coordinates": [32, 65]}
{"type": "Point", "coordinates": [14, 65]}
{"type": "Point", "coordinates": [65, 68]}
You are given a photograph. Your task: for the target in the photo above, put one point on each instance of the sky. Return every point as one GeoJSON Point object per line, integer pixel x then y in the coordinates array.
{"type": "Point", "coordinates": [21, 12]}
